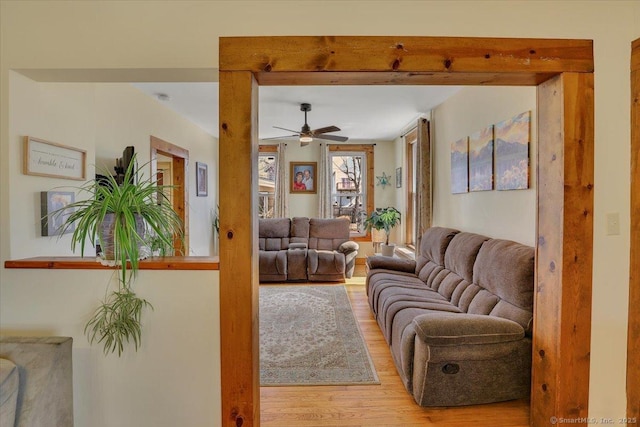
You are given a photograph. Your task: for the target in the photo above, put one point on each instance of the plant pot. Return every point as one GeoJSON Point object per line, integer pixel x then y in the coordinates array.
{"type": "Point", "coordinates": [387, 250]}
{"type": "Point", "coordinates": [107, 232]}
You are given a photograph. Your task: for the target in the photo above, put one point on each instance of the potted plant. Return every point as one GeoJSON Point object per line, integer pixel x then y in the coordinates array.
{"type": "Point", "coordinates": [128, 219]}
{"type": "Point", "coordinates": [384, 219]}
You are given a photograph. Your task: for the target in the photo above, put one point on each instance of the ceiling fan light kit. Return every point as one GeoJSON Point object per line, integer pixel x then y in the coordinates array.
{"type": "Point", "coordinates": [306, 135]}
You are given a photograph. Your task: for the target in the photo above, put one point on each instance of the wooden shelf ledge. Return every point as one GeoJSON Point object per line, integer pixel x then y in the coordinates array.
{"type": "Point", "coordinates": [90, 263]}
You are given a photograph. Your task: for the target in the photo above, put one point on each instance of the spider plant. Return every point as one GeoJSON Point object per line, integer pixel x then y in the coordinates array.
{"type": "Point", "coordinates": [125, 218]}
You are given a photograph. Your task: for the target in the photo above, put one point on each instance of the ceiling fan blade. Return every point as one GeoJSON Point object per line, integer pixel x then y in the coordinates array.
{"type": "Point", "coordinates": [288, 130]}
{"type": "Point", "coordinates": [279, 137]}
{"type": "Point", "coordinates": [332, 137]}
{"type": "Point", "coordinates": [325, 130]}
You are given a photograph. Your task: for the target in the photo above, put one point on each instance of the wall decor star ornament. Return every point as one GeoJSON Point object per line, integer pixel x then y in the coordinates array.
{"type": "Point", "coordinates": [384, 180]}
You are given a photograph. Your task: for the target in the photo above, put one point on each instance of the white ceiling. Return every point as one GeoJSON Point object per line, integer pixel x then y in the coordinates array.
{"type": "Point", "coordinates": [374, 113]}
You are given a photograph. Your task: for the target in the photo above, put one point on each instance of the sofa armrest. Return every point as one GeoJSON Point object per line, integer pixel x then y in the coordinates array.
{"type": "Point", "coordinates": [297, 246]}
{"type": "Point", "coordinates": [388, 263]}
{"type": "Point", "coordinates": [449, 329]}
{"type": "Point", "coordinates": [348, 246]}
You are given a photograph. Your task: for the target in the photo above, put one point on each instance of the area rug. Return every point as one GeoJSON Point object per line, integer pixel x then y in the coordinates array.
{"type": "Point", "coordinates": [309, 336]}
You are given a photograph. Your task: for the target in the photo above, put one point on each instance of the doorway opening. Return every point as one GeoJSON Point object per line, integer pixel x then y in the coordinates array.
{"type": "Point", "coordinates": [169, 163]}
{"type": "Point", "coordinates": [562, 70]}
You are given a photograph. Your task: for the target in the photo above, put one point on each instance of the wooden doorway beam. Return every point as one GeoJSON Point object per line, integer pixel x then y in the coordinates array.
{"type": "Point", "coordinates": [565, 215]}
{"type": "Point", "coordinates": [240, 359]}
{"type": "Point", "coordinates": [633, 334]}
{"type": "Point", "coordinates": [564, 250]}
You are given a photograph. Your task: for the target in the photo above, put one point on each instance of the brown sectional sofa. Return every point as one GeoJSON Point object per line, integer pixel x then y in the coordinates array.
{"type": "Point", "coordinates": [302, 248]}
{"type": "Point", "coordinates": [459, 318]}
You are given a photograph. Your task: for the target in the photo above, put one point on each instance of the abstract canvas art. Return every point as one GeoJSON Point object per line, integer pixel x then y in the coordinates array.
{"type": "Point", "coordinates": [460, 166]}
{"type": "Point", "coordinates": [481, 160]}
{"type": "Point", "coordinates": [512, 138]}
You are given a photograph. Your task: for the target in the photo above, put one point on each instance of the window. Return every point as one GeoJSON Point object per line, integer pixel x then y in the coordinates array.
{"type": "Point", "coordinates": [351, 171]}
{"type": "Point", "coordinates": [267, 175]}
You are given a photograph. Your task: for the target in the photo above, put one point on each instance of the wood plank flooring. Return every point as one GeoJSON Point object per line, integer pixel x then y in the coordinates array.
{"type": "Point", "coordinates": [387, 404]}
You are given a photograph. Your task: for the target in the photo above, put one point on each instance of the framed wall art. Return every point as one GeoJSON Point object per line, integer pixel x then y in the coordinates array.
{"type": "Point", "coordinates": [303, 177]}
{"type": "Point", "coordinates": [50, 159]}
{"type": "Point", "coordinates": [481, 160]}
{"type": "Point", "coordinates": [460, 166]}
{"type": "Point", "coordinates": [51, 201]}
{"type": "Point", "coordinates": [399, 177]}
{"type": "Point", "coordinates": [512, 138]}
{"type": "Point", "coordinates": [202, 180]}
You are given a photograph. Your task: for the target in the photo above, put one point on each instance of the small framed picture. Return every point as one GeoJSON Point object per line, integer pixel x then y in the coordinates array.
{"type": "Point", "coordinates": [202, 180]}
{"type": "Point", "coordinates": [399, 177]}
{"type": "Point", "coordinates": [303, 176]}
{"type": "Point", "coordinates": [53, 201]}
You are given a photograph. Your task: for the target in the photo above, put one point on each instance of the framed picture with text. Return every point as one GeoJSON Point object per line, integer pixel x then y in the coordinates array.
{"type": "Point", "coordinates": [53, 160]}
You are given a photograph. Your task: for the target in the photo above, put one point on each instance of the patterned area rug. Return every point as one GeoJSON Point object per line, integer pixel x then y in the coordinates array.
{"type": "Point", "coordinates": [309, 336]}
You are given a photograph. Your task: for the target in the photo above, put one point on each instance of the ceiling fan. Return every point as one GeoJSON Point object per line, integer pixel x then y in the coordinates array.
{"type": "Point", "coordinates": [306, 135]}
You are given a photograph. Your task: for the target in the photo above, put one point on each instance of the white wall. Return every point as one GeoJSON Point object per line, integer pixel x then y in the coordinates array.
{"type": "Point", "coordinates": [501, 214]}
{"type": "Point", "coordinates": [181, 38]}
{"type": "Point", "coordinates": [174, 377]}
{"type": "Point", "coordinates": [101, 118]}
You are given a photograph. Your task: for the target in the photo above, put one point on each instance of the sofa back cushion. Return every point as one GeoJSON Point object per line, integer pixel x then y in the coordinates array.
{"type": "Point", "coordinates": [456, 276]}
{"type": "Point", "coordinates": [461, 254]}
{"type": "Point", "coordinates": [328, 233]}
{"type": "Point", "coordinates": [506, 269]}
{"type": "Point", "coordinates": [433, 245]}
{"type": "Point", "coordinates": [299, 230]}
{"type": "Point", "coordinates": [273, 234]}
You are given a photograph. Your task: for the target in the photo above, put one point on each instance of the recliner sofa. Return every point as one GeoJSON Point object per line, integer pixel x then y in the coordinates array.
{"type": "Point", "coordinates": [301, 249]}
{"type": "Point", "coordinates": [459, 318]}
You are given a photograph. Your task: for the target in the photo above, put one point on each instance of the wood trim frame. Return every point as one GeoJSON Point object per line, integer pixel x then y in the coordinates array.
{"type": "Point", "coordinates": [180, 162]}
{"type": "Point", "coordinates": [562, 329]}
{"type": "Point", "coordinates": [633, 334]}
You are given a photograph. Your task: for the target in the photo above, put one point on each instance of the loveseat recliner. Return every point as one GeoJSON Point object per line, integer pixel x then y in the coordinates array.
{"type": "Point", "coordinates": [301, 249]}
{"type": "Point", "coordinates": [459, 318]}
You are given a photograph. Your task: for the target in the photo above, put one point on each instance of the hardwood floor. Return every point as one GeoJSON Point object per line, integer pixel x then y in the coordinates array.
{"type": "Point", "coordinates": [387, 404]}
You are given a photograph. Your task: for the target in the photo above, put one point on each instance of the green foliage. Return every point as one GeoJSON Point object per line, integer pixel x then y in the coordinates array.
{"type": "Point", "coordinates": [117, 320]}
{"type": "Point", "coordinates": [383, 219]}
{"type": "Point", "coordinates": [215, 220]}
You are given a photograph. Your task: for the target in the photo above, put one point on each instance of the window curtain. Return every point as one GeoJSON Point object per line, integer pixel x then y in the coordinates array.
{"type": "Point", "coordinates": [423, 181]}
{"type": "Point", "coordinates": [324, 184]}
{"type": "Point", "coordinates": [281, 203]}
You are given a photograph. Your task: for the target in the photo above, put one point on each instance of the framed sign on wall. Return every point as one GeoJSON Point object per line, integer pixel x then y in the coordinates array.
{"type": "Point", "coordinates": [45, 158]}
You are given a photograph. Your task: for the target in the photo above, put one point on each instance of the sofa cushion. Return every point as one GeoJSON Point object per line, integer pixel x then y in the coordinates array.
{"type": "Point", "coordinates": [433, 245]}
{"type": "Point", "coordinates": [325, 265]}
{"type": "Point", "coordinates": [272, 265]}
{"type": "Point", "coordinates": [299, 230]}
{"type": "Point", "coordinates": [506, 269]}
{"type": "Point", "coordinates": [273, 234]}
{"type": "Point", "coordinates": [461, 253]}
{"type": "Point", "coordinates": [451, 329]}
{"type": "Point", "coordinates": [328, 233]}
